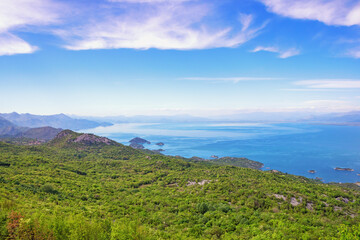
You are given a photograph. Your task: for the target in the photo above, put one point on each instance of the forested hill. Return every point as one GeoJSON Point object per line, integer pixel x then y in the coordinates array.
{"type": "Point", "coordinates": [80, 186]}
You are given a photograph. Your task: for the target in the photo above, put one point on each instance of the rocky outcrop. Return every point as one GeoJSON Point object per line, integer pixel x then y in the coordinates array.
{"type": "Point", "coordinates": [160, 144]}
{"type": "Point", "coordinates": [310, 206]}
{"type": "Point", "coordinates": [201, 183]}
{"type": "Point", "coordinates": [295, 202]}
{"type": "Point", "coordinates": [67, 137]}
{"type": "Point", "coordinates": [91, 139]}
{"type": "Point", "coordinates": [64, 134]}
{"type": "Point", "coordinates": [279, 196]}
{"type": "Point", "coordinates": [138, 140]}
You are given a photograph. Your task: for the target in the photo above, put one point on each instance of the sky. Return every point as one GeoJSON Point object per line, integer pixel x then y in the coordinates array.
{"type": "Point", "coordinates": [170, 57]}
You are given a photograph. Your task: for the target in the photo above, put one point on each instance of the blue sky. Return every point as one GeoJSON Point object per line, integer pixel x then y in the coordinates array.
{"type": "Point", "coordinates": [128, 57]}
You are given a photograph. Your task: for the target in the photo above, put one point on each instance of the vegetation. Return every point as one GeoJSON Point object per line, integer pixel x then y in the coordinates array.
{"type": "Point", "coordinates": [238, 162]}
{"type": "Point", "coordinates": [70, 189]}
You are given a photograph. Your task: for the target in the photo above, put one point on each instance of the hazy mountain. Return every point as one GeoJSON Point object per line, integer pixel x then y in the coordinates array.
{"type": "Point", "coordinates": [148, 119]}
{"type": "Point", "coordinates": [236, 117]}
{"type": "Point", "coordinates": [43, 133]}
{"type": "Point", "coordinates": [56, 121]}
{"type": "Point", "coordinates": [348, 117]}
{"type": "Point", "coordinates": [4, 122]}
{"type": "Point", "coordinates": [8, 128]}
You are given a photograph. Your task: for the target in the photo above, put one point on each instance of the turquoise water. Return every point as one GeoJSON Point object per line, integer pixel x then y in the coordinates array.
{"type": "Point", "coordinates": [291, 148]}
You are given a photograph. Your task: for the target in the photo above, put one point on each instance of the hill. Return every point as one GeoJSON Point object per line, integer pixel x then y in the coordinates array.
{"type": "Point", "coordinates": [57, 121]}
{"type": "Point", "coordinates": [68, 138]}
{"type": "Point", "coordinates": [80, 186]}
{"type": "Point", "coordinates": [43, 133]}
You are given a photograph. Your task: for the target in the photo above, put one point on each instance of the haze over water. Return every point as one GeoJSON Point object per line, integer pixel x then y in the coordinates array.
{"type": "Point", "coordinates": [292, 148]}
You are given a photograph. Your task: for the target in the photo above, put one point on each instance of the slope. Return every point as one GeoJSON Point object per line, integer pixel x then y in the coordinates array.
{"type": "Point", "coordinates": [72, 189]}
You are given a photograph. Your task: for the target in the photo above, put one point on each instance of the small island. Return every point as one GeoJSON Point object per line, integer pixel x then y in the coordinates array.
{"type": "Point", "coordinates": [312, 171]}
{"type": "Point", "coordinates": [214, 156]}
{"type": "Point", "coordinates": [138, 140]}
{"type": "Point", "coordinates": [344, 169]}
{"type": "Point", "coordinates": [160, 144]}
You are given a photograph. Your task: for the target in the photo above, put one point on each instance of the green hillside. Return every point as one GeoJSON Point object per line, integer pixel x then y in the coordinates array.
{"type": "Point", "coordinates": [80, 186]}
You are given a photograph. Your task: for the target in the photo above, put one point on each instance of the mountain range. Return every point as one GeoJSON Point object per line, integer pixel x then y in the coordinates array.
{"type": "Point", "coordinates": [15, 125]}
{"type": "Point", "coordinates": [348, 117]}
{"type": "Point", "coordinates": [46, 127]}
{"type": "Point", "coordinates": [56, 121]}
{"type": "Point", "coordinates": [344, 117]}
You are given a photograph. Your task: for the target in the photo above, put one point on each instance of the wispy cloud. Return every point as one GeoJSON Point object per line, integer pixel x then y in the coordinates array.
{"type": "Point", "coordinates": [179, 25]}
{"type": "Point", "coordinates": [330, 105]}
{"type": "Point", "coordinates": [330, 12]}
{"type": "Point", "coordinates": [310, 90]}
{"type": "Point", "coordinates": [19, 15]}
{"type": "Point", "coordinates": [355, 53]}
{"type": "Point", "coordinates": [282, 53]}
{"type": "Point", "coordinates": [230, 79]}
{"type": "Point", "coordinates": [330, 84]}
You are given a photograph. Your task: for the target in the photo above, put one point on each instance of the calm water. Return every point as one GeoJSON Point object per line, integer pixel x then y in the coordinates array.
{"type": "Point", "coordinates": [291, 148]}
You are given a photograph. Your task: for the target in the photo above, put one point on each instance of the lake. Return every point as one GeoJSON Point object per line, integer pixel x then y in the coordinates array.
{"type": "Point", "coordinates": [288, 147]}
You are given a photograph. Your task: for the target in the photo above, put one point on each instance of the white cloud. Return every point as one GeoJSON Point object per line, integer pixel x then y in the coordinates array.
{"type": "Point", "coordinates": [10, 45]}
{"type": "Point", "coordinates": [289, 53]}
{"type": "Point", "coordinates": [16, 15]}
{"type": "Point", "coordinates": [330, 12]}
{"type": "Point", "coordinates": [267, 49]}
{"type": "Point", "coordinates": [330, 83]}
{"type": "Point", "coordinates": [230, 79]}
{"type": "Point", "coordinates": [282, 53]}
{"type": "Point", "coordinates": [177, 25]}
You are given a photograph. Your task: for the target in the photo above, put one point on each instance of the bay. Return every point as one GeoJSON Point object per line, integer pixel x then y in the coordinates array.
{"type": "Point", "coordinates": [293, 148]}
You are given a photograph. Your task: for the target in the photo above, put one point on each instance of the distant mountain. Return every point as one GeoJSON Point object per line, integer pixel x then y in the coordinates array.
{"type": "Point", "coordinates": [149, 119]}
{"type": "Point", "coordinates": [9, 129]}
{"type": "Point", "coordinates": [348, 117]}
{"type": "Point", "coordinates": [57, 121]}
{"type": "Point", "coordinates": [43, 133]}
